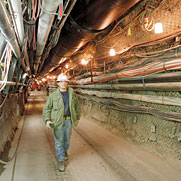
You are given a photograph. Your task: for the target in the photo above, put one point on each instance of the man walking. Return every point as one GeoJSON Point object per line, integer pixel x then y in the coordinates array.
{"type": "Point", "coordinates": [60, 111]}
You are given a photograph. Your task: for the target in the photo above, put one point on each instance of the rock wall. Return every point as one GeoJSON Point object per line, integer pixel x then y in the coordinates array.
{"type": "Point", "coordinates": [160, 136]}
{"type": "Point", "coordinates": [10, 114]}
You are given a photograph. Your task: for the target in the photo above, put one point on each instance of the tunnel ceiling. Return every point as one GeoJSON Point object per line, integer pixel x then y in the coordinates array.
{"type": "Point", "coordinates": [86, 20]}
{"type": "Point", "coordinates": [51, 37]}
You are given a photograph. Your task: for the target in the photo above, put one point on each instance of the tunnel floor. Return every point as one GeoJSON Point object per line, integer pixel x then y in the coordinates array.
{"type": "Point", "coordinates": [95, 154]}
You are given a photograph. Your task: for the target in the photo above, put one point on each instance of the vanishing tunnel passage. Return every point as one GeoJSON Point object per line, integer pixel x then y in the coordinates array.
{"type": "Point", "coordinates": [95, 153]}
{"type": "Point", "coordinates": [90, 90]}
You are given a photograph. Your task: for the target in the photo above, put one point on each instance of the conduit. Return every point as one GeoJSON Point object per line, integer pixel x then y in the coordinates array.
{"type": "Point", "coordinates": [47, 15]}
{"type": "Point", "coordinates": [87, 74]}
{"type": "Point", "coordinates": [12, 83]}
{"type": "Point", "coordinates": [15, 5]}
{"type": "Point", "coordinates": [116, 105]}
{"type": "Point", "coordinates": [145, 98]}
{"type": "Point", "coordinates": [155, 67]}
{"type": "Point", "coordinates": [7, 30]}
{"type": "Point", "coordinates": [166, 86]}
{"type": "Point", "coordinates": [17, 13]}
{"type": "Point", "coordinates": [156, 77]}
{"type": "Point", "coordinates": [57, 34]}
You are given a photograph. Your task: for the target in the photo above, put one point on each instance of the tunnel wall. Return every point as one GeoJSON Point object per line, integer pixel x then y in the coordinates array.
{"type": "Point", "coordinates": [157, 135]}
{"type": "Point", "coordinates": [10, 115]}
{"type": "Point", "coordinates": [129, 39]}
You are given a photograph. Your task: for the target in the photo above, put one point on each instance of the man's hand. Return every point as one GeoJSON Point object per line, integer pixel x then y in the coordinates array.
{"type": "Point", "coordinates": [49, 124]}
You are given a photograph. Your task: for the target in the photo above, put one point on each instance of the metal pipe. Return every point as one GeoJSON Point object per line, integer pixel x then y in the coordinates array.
{"type": "Point", "coordinates": [86, 75]}
{"type": "Point", "coordinates": [116, 105]}
{"type": "Point", "coordinates": [155, 77]}
{"type": "Point", "coordinates": [63, 20]}
{"type": "Point", "coordinates": [15, 6]}
{"type": "Point", "coordinates": [164, 86]}
{"type": "Point", "coordinates": [12, 83]}
{"type": "Point", "coordinates": [157, 67]}
{"type": "Point", "coordinates": [17, 12]}
{"type": "Point", "coordinates": [7, 30]}
{"type": "Point", "coordinates": [47, 15]}
{"type": "Point", "coordinates": [164, 100]}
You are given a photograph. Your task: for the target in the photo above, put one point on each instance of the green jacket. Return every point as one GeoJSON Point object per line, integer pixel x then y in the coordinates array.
{"type": "Point", "coordinates": [54, 108]}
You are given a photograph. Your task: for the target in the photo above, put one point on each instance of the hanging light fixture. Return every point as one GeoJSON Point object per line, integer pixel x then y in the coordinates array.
{"type": "Point", "coordinates": [112, 52]}
{"type": "Point", "coordinates": [84, 62]}
{"type": "Point", "coordinates": [158, 28]}
{"type": "Point", "coordinates": [67, 66]}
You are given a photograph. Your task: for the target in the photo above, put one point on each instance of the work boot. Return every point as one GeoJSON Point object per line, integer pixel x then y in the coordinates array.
{"type": "Point", "coordinates": [66, 156]}
{"type": "Point", "coordinates": [61, 166]}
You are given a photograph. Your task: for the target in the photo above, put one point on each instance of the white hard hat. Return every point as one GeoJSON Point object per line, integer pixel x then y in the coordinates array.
{"type": "Point", "coordinates": [62, 77]}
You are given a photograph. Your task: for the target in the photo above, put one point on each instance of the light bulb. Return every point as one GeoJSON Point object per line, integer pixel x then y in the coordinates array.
{"type": "Point", "coordinates": [158, 28]}
{"type": "Point", "coordinates": [112, 52]}
{"type": "Point", "coordinates": [84, 62]}
{"type": "Point", "coordinates": [66, 66]}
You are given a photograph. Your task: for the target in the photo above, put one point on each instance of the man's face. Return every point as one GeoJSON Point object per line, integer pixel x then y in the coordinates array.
{"type": "Point", "coordinates": [63, 84]}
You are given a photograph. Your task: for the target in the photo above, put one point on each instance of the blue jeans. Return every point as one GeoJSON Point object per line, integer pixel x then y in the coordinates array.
{"type": "Point", "coordinates": [62, 139]}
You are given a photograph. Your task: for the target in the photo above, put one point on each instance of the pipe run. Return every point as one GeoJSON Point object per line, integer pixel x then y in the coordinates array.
{"type": "Point", "coordinates": [12, 83]}
{"type": "Point", "coordinates": [165, 86]}
{"type": "Point", "coordinates": [116, 105]}
{"type": "Point", "coordinates": [155, 67]}
{"type": "Point", "coordinates": [7, 30]}
{"type": "Point", "coordinates": [164, 100]}
{"type": "Point", "coordinates": [17, 16]}
{"type": "Point", "coordinates": [47, 15]}
{"type": "Point", "coordinates": [63, 20]}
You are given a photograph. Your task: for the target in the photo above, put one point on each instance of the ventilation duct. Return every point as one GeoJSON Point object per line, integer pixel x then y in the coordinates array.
{"type": "Point", "coordinates": [15, 5]}
{"type": "Point", "coordinates": [7, 30]}
{"type": "Point", "coordinates": [87, 21]}
{"type": "Point", "coordinates": [17, 12]}
{"type": "Point", "coordinates": [48, 11]}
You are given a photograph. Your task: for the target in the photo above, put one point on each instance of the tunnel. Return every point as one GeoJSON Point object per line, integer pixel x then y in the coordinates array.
{"type": "Point", "coordinates": [90, 90]}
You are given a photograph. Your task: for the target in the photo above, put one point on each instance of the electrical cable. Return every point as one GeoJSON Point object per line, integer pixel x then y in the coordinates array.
{"type": "Point", "coordinates": [7, 58]}
{"type": "Point", "coordinates": [141, 14]}
{"type": "Point", "coordinates": [154, 67]}
{"type": "Point", "coordinates": [34, 7]}
{"type": "Point", "coordinates": [116, 105]}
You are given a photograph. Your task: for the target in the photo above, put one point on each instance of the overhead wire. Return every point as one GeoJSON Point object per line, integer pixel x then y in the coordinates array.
{"type": "Point", "coordinates": [141, 14]}
{"type": "Point", "coordinates": [116, 105]}
{"type": "Point", "coordinates": [154, 67]}
{"type": "Point", "coordinates": [6, 56]}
